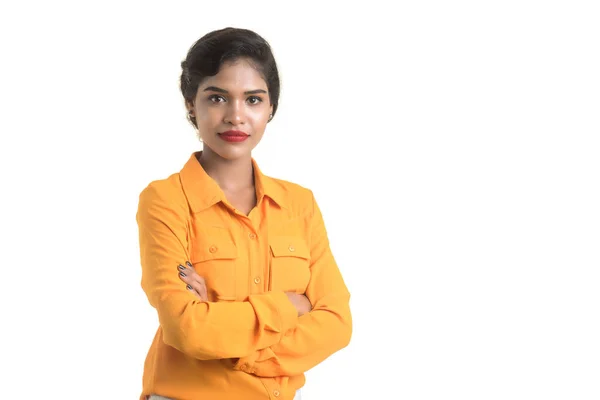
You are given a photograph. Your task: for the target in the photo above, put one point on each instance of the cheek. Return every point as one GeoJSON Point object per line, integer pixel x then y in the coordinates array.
{"type": "Point", "coordinates": [260, 118]}
{"type": "Point", "coordinates": [208, 116]}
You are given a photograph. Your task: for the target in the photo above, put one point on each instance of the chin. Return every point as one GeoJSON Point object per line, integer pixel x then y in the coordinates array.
{"type": "Point", "coordinates": [231, 152]}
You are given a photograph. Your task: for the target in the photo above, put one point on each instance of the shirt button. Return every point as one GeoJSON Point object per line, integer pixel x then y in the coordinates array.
{"type": "Point", "coordinates": [292, 248]}
{"type": "Point", "coordinates": [276, 393]}
{"type": "Point", "coordinates": [213, 249]}
{"type": "Point", "coordinates": [257, 280]}
{"type": "Point", "coordinates": [252, 236]}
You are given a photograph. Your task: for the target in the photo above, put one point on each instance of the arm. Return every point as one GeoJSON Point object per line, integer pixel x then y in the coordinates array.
{"type": "Point", "coordinates": [319, 333]}
{"type": "Point", "coordinates": [200, 329]}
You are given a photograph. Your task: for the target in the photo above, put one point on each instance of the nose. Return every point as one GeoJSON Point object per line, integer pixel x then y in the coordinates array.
{"type": "Point", "coordinates": [235, 113]}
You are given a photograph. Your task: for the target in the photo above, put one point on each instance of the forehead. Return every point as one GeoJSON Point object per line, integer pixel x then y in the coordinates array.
{"type": "Point", "coordinates": [240, 75]}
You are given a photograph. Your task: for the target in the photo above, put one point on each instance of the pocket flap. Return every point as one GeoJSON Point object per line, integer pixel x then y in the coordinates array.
{"type": "Point", "coordinates": [215, 251]}
{"type": "Point", "coordinates": [289, 246]}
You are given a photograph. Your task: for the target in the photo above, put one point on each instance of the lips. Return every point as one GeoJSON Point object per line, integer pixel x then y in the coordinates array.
{"type": "Point", "coordinates": [234, 136]}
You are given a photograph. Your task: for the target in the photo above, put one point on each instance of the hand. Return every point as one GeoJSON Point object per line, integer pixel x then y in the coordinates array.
{"type": "Point", "coordinates": [301, 302]}
{"type": "Point", "coordinates": [195, 283]}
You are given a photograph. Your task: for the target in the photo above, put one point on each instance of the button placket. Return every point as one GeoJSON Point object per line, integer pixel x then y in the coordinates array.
{"type": "Point", "coordinates": [253, 243]}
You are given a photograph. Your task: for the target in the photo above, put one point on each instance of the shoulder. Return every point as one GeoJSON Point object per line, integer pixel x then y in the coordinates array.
{"type": "Point", "coordinates": [295, 196]}
{"type": "Point", "coordinates": [164, 193]}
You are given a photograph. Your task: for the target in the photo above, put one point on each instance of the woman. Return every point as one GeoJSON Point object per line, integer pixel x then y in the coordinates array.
{"type": "Point", "coordinates": [237, 264]}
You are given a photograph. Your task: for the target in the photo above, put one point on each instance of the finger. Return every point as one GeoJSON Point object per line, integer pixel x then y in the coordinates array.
{"type": "Point", "coordinates": [197, 282]}
{"type": "Point", "coordinates": [203, 291]}
{"type": "Point", "coordinates": [200, 288]}
{"type": "Point", "coordinates": [183, 274]}
{"type": "Point", "coordinates": [191, 277]}
{"type": "Point", "coordinates": [188, 275]}
{"type": "Point", "coordinates": [189, 270]}
{"type": "Point", "coordinates": [194, 292]}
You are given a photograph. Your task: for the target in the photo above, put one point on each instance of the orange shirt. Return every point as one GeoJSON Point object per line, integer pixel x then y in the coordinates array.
{"type": "Point", "coordinates": [247, 341]}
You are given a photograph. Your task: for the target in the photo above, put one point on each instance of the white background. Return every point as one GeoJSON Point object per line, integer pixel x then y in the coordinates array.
{"type": "Point", "coordinates": [453, 148]}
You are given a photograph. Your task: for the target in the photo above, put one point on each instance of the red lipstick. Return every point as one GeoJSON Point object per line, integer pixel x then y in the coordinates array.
{"type": "Point", "coordinates": [233, 136]}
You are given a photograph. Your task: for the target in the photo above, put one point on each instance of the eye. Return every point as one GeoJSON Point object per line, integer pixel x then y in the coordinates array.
{"type": "Point", "coordinates": [254, 100]}
{"type": "Point", "coordinates": [215, 98]}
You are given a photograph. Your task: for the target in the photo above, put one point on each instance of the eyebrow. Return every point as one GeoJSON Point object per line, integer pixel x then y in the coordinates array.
{"type": "Point", "coordinates": [219, 90]}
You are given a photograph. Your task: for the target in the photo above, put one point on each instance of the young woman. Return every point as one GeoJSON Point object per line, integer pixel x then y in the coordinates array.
{"type": "Point", "coordinates": [236, 263]}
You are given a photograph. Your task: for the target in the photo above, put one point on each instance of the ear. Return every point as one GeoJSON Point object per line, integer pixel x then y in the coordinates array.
{"type": "Point", "coordinates": [189, 106]}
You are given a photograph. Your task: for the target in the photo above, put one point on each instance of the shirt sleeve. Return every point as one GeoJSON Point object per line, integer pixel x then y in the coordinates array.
{"type": "Point", "coordinates": [318, 334]}
{"type": "Point", "coordinates": [204, 330]}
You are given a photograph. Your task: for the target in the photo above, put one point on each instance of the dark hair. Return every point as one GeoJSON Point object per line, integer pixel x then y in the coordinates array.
{"type": "Point", "coordinates": [206, 56]}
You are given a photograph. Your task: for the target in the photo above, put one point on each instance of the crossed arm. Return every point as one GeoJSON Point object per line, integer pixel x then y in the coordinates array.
{"type": "Point", "coordinates": [197, 285]}
{"type": "Point", "coordinates": [324, 319]}
{"type": "Point", "coordinates": [271, 334]}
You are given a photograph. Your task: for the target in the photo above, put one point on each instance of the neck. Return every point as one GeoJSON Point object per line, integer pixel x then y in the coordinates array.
{"type": "Point", "coordinates": [230, 175]}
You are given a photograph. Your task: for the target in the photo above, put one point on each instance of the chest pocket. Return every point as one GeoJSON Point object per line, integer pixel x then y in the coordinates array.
{"type": "Point", "coordinates": [215, 261]}
{"type": "Point", "coordinates": [290, 262]}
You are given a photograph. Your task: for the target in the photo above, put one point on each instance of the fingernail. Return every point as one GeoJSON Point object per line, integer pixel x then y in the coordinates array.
{"type": "Point", "coordinates": [189, 287]}
{"type": "Point", "coordinates": [181, 267]}
{"type": "Point", "coordinates": [189, 264]}
{"type": "Point", "coordinates": [182, 274]}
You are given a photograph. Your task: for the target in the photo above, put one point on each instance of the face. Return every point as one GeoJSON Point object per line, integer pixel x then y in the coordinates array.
{"type": "Point", "coordinates": [232, 109]}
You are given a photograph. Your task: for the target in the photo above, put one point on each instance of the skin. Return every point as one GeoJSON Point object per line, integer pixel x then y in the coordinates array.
{"type": "Point", "coordinates": [236, 98]}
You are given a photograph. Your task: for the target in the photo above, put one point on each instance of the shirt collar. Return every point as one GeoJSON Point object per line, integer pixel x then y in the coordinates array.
{"type": "Point", "coordinates": [202, 191]}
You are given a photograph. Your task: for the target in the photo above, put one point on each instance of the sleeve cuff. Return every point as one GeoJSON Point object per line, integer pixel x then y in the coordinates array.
{"type": "Point", "coordinates": [288, 315]}
{"type": "Point", "coordinates": [275, 311]}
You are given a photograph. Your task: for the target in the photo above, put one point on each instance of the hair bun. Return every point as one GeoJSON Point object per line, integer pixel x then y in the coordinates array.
{"type": "Point", "coordinates": [185, 74]}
